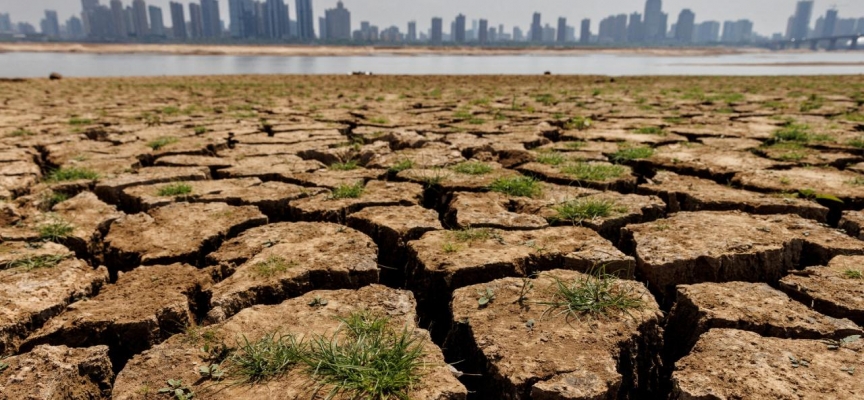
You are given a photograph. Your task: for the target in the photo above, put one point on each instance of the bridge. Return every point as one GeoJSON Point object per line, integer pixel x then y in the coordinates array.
{"type": "Point", "coordinates": [814, 42]}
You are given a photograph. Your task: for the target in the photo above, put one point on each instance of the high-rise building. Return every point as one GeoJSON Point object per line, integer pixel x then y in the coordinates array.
{"type": "Point", "coordinates": [830, 24]}
{"type": "Point", "coordinates": [654, 27]}
{"type": "Point", "coordinates": [536, 28]}
{"type": "Point", "coordinates": [518, 35]}
{"type": "Point", "coordinates": [338, 23]}
{"type": "Point", "coordinates": [740, 31]}
{"type": "Point", "coordinates": [562, 30]}
{"type": "Point", "coordinates": [800, 27]}
{"type": "Point", "coordinates": [211, 24]}
{"type": "Point", "coordinates": [178, 21]}
{"type": "Point", "coordinates": [235, 15]}
{"type": "Point", "coordinates": [436, 34]}
{"type": "Point", "coordinates": [707, 32]}
{"type": "Point", "coordinates": [25, 28]}
{"type": "Point", "coordinates": [129, 20]}
{"type": "Point", "coordinates": [412, 31]}
{"type": "Point", "coordinates": [845, 26]}
{"type": "Point", "coordinates": [119, 18]}
{"type": "Point", "coordinates": [139, 14]}
{"type": "Point", "coordinates": [50, 25]}
{"type": "Point", "coordinates": [157, 24]}
{"type": "Point", "coordinates": [5, 23]}
{"type": "Point", "coordinates": [585, 31]}
{"type": "Point", "coordinates": [635, 30]}
{"type": "Point", "coordinates": [196, 21]}
{"type": "Point", "coordinates": [74, 28]}
{"type": "Point", "coordinates": [859, 27]}
{"type": "Point", "coordinates": [322, 28]}
{"type": "Point", "coordinates": [458, 31]}
{"type": "Point", "coordinates": [88, 7]}
{"type": "Point", "coordinates": [483, 31]}
{"type": "Point", "coordinates": [685, 26]}
{"type": "Point", "coordinates": [101, 23]}
{"type": "Point", "coordinates": [305, 29]}
{"type": "Point", "coordinates": [276, 19]}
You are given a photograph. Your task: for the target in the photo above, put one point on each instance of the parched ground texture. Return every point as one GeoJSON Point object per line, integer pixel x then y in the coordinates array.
{"type": "Point", "coordinates": [534, 237]}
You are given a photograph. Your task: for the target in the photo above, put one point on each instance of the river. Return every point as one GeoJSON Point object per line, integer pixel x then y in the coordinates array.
{"type": "Point", "coordinates": [22, 64]}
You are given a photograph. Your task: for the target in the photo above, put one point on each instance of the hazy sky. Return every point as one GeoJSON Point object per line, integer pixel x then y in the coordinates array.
{"type": "Point", "coordinates": [769, 16]}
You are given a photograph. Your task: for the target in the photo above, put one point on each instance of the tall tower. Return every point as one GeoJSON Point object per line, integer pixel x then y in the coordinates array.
{"type": "Point", "coordinates": [654, 27]}
{"type": "Point", "coordinates": [800, 27]}
{"type": "Point", "coordinates": [305, 22]}
{"type": "Point", "coordinates": [212, 25]}
{"type": "Point", "coordinates": [536, 28]}
{"type": "Point", "coordinates": [178, 21]}
{"type": "Point", "coordinates": [139, 15]}
{"type": "Point", "coordinates": [459, 30]}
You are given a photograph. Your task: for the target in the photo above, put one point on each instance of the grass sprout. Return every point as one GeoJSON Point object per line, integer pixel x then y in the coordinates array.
{"type": "Point", "coordinates": [161, 142]}
{"type": "Point", "coordinates": [551, 158]}
{"type": "Point", "coordinates": [71, 174]}
{"type": "Point", "coordinates": [266, 358]}
{"type": "Point", "coordinates": [473, 168]}
{"type": "Point", "coordinates": [348, 191]}
{"type": "Point", "coordinates": [593, 172]}
{"type": "Point", "coordinates": [519, 186]}
{"type": "Point", "coordinates": [853, 274]}
{"type": "Point", "coordinates": [594, 295]}
{"type": "Point", "coordinates": [349, 165]}
{"type": "Point", "coordinates": [274, 265]}
{"type": "Point", "coordinates": [35, 262]}
{"type": "Point", "coordinates": [55, 231]}
{"type": "Point", "coordinates": [585, 209]}
{"type": "Point", "coordinates": [175, 189]}
{"type": "Point", "coordinates": [630, 154]}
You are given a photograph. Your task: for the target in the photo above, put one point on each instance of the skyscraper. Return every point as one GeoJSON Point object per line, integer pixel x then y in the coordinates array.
{"type": "Point", "coordinates": [830, 24]}
{"type": "Point", "coordinates": [536, 28]}
{"type": "Point", "coordinates": [196, 21]}
{"type": "Point", "coordinates": [157, 24]}
{"type": "Point", "coordinates": [235, 15]}
{"type": "Point", "coordinates": [178, 21]}
{"type": "Point", "coordinates": [654, 28]}
{"type": "Point", "coordinates": [74, 28]}
{"type": "Point", "coordinates": [412, 31]}
{"type": "Point", "coordinates": [562, 30]}
{"type": "Point", "coordinates": [51, 25]}
{"type": "Point", "coordinates": [276, 19]}
{"type": "Point", "coordinates": [436, 34]}
{"type": "Point", "coordinates": [685, 26]}
{"type": "Point", "coordinates": [635, 30]}
{"type": "Point", "coordinates": [5, 23]}
{"type": "Point", "coordinates": [119, 17]}
{"type": "Point", "coordinates": [459, 29]}
{"type": "Point", "coordinates": [739, 31]}
{"type": "Point", "coordinates": [139, 15]}
{"type": "Point", "coordinates": [585, 31]}
{"type": "Point", "coordinates": [211, 24]}
{"type": "Point", "coordinates": [483, 31]}
{"type": "Point", "coordinates": [707, 32]}
{"type": "Point", "coordinates": [800, 27]}
{"type": "Point", "coordinates": [88, 7]}
{"type": "Point", "coordinates": [338, 23]}
{"type": "Point", "coordinates": [305, 27]}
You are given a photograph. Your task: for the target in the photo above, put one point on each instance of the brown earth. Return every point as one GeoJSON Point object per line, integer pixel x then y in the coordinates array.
{"type": "Point", "coordinates": [57, 373]}
{"type": "Point", "coordinates": [708, 190]}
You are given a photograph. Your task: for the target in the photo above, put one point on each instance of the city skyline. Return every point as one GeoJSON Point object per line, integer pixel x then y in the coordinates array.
{"type": "Point", "coordinates": [385, 13]}
{"type": "Point", "coordinates": [271, 20]}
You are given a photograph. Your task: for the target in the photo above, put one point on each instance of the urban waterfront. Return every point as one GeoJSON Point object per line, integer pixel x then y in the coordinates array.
{"type": "Point", "coordinates": [20, 65]}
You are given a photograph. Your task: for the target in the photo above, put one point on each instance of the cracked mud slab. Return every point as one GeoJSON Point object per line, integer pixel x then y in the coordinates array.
{"type": "Point", "coordinates": [57, 373]}
{"type": "Point", "coordinates": [836, 289]}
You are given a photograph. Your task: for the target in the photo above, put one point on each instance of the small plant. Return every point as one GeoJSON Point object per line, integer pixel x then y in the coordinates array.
{"type": "Point", "coordinates": [77, 121]}
{"type": "Point", "coordinates": [449, 247]}
{"type": "Point", "coordinates": [472, 168]}
{"type": "Point", "coordinates": [3, 366]}
{"type": "Point", "coordinates": [857, 181]}
{"type": "Point", "coordinates": [349, 165]}
{"type": "Point", "coordinates": [433, 178]}
{"type": "Point", "coordinates": [853, 274]}
{"type": "Point", "coordinates": [71, 174]}
{"type": "Point", "coordinates": [580, 210]}
{"type": "Point", "coordinates": [20, 133]}
{"type": "Point", "coordinates": [178, 390]}
{"type": "Point", "coordinates": [546, 99]}
{"type": "Point", "coordinates": [35, 262]}
{"type": "Point", "coordinates": [402, 166]}
{"type": "Point", "coordinates": [211, 371]}
{"type": "Point", "coordinates": [520, 186]}
{"type": "Point", "coordinates": [379, 120]}
{"type": "Point", "coordinates": [551, 158]}
{"type": "Point", "coordinates": [200, 130]}
{"type": "Point", "coordinates": [50, 199]}
{"type": "Point", "coordinates": [593, 172]}
{"type": "Point", "coordinates": [473, 234]}
{"type": "Point", "coordinates": [576, 145]}
{"type": "Point", "coordinates": [348, 191]}
{"type": "Point", "coordinates": [266, 358]}
{"type": "Point", "coordinates": [55, 231]}
{"type": "Point", "coordinates": [486, 296]}
{"type": "Point", "coordinates": [578, 123]}
{"type": "Point", "coordinates": [857, 142]}
{"type": "Point", "coordinates": [274, 265]}
{"type": "Point", "coordinates": [527, 285]}
{"type": "Point", "coordinates": [175, 189]}
{"type": "Point", "coordinates": [814, 102]}
{"type": "Point", "coordinates": [159, 143]}
{"type": "Point", "coordinates": [650, 130]}
{"type": "Point", "coordinates": [593, 295]}
{"type": "Point", "coordinates": [318, 302]}
{"type": "Point", "coordinates": [631, 153]}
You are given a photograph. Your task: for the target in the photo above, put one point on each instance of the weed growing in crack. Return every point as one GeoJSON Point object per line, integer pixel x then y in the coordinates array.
{"type": "Point", "coordinates": [368, 360]}
{"type": "Point", "coordinates": [593, 172]}
{"type": "Point", "coordinates": [520, 186]}
{"type": "Point", "coordinates": [274, 265]}
{"type": "Point", "coordinates": [650, 130]}
{"type": "Point", "coordinates": [578, 123]}
{"type": "Point", "coordinates": [71, 174]}
{"type": "Point", "coordinates": [402, 166]}
{"type": "Point", "coordinates": [853, 274]}
{"type": "Point", "coordinates": [349, 165]}
{"type": "Point", "coordinates": [178, 390]}
{"type": "Point", "coordinates": [631, 153]}
{"type": "Point", "coordinates": [472, 168]}
{"type": "Point", "coordinates": [579, 210]}
{"type": "Point", "coordinates": [798, 133]}
{"type": "Point", "coordinates": [34, 262]}
{"type": "Point", "coordinates": [266, 358]}
{"type": "Point", "coordinates": [55, 231]}
{"type": "Point", "coordinates": [161, 142]}
{"type": "Point", "coordinates": [348, 191]}
{"type": "Point", "coordinates": [575, 145]}
{"type": "Point", "coordinates": [593, 295]}
{"type": "Point", "coordinates": [50, 199]}
{"type": "Point", "coordinates": [551, 158]}
{"type": "Point", "coordinates": [175, 189]}
{"type": "Point", "coordinates": [19, 133]}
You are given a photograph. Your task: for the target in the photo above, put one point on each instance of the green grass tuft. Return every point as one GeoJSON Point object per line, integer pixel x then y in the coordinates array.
{"type": "Point", "coordinates": [274, 265]}
{"type": "Point", "coordinates": [593, 172]}
{"type": "Point", "coordinates": [578, 123]}
{"type": "Point", "coordinates": [55, 231]}
{"type": "Point", "coordinates": [349, 165]}
{"type": "Point", "coordinates": [402, 166]}
{"type": "Point", "coordinates": [630, 154]}
{"type": "Point", "coordinates": [551, 158]}
{"type": "Point", "coordinates": [20, 133]}
{"type": "Point", "coordinates": [473, 234]}
{"type": "Point", "coordinates": [853, 274]}
{"type": "Point", "coordinates": [34, 262]}
{"type": "Point", "coordinates": [162, 142]}
{"type": "Point", "coordinates": [175, 189]}
{"type": "Point", "coordinates": [472, 168]}
{"type": "Point", "coordinates": [585, 209]}
{"type": "Point", "coordinates": [521, 186]}
{"type": "Point", "coordinates": [650, 130]}
{"type": "Point", "coordinates": [266, 358]}
{"type": "Point", "coordinates": [348, 191]}
{"type": "Point", "coordinates": [51, 199]}
{"type": "Point", "coordinates": [71, 174]}
{"type": "Point", "coordinates": [593, 295]}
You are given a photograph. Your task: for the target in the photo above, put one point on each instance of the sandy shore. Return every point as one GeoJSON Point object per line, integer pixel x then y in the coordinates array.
{"type": "Point", "coordinates": [335, 51]}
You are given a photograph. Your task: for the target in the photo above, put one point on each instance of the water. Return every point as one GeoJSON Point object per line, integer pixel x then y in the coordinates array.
{"type": "Point", "coordinates": [13, 65]}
